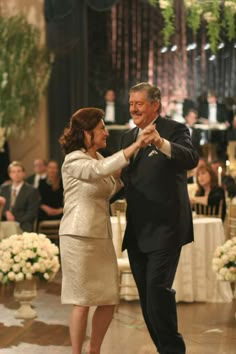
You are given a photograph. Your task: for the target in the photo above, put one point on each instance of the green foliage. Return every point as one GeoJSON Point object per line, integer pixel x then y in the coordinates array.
{"type": "Point", "coordinates": [169, 29]}
{"type": "Point", "coordinates": [229, 21]}
{"type": "Point", "coordinates": [216, 13]}
{"type": "Point", "coordinates": [194, 14]}
{"type": "Point", "coordinates": [24, 74]}
{"type": "Point", "coordinates": [213, 23]}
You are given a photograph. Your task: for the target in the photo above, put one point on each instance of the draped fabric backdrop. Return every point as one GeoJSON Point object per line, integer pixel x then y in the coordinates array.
{"type": "Point", "coordinates": [102, 44]}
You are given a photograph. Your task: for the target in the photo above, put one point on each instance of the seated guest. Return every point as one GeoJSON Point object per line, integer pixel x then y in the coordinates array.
{"type": "Point", "coordinates": [40, 172]}
{"type": "Point", "coordinates": [208, 192]}
{"type": "Point", "coordinates": [191, 119]}
{"type": "Point", "coordinates": [213, 112]}
{"type": "Point", "coordinates": [114, 111]}
{"type": "Point", "coordinates": [51, 192]}
{"type": "Point", "coordinates": [228, 182]}
{"type": "Point", "coordinates": [21, 199]}
{"type": "Point", "coordinates": [178, 106]}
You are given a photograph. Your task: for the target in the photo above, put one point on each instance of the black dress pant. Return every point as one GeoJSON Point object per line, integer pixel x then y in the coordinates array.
{"type": "Point", "coordinates": [154, 274]}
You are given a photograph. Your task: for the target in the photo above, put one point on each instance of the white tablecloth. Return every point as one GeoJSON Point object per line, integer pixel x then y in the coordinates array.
{"type": "Point", "coordinates": [8, 228]}
{"type": "Point", "coordinates": [195, 280]}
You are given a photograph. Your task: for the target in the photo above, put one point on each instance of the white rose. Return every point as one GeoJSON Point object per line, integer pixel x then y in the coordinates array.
{"type": "Point", "coordinates": [16, 268]}
{"type": "Point", "coordinates": [11, 276]}
{"type": "Point", "coordinates": [46, 276]}
{"type": "Point", "coordinates": [28, 276]}
{"type": "Point", "coordinates": [19, 276]}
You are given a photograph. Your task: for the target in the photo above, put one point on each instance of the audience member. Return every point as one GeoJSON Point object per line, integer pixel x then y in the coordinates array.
{"type": "Point", "coordinates": [114, 111]}
{"type": "Point", "coordinates": [51, 192]}
{"type": "Point", "coordinates": [21, 199]}
{"type": "Point", "coordinates": [191, 119]}
{"type": "Point", "coordinates": [40, 172]}
{"type": "Point", "coordinates": [179, 106]}
{"type": "Point", "coordinates": [209, 193]}
{"type": "Point", "coordinates": [213, 112]}
{"type": "Point", "coordinates": [228, 182]}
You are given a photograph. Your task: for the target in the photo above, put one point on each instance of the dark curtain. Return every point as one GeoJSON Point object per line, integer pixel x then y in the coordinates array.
{"type": "Point", "coordinates": [102, 44]}
{"type": "Point", "coordinates": [66, 28]}
{"type": "Point", "coordinates": [132, 54]}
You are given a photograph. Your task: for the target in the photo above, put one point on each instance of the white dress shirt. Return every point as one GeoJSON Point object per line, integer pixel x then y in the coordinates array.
{"type": "Point", "coordinates": [212, 113]}
{"type": "Point", "coordinates": [110, 112]}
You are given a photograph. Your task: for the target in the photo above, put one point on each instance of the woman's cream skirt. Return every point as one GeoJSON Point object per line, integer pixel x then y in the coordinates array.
{"type": "Point", "coordinates": [89, 271]}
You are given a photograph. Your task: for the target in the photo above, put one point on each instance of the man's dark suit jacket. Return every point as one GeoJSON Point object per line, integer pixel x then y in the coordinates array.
{"type": "Point", "coordinates": [26, 206]}
{"type": "Point", "coordinates": [121, 115]}
{"type": "Point", "coordinates": [221, 112]}
{"type": "Point", "coordinates": [159, 215]}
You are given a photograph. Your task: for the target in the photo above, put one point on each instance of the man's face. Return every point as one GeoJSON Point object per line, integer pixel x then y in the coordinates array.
{"type": "Point", "coordinates": [110, 96]}
{"type": "Point", "coordinates": [211, 99]}
{"type": "Point", "coordinates": [39, 167]}
{"type": "Point", "coordinates": [16, 174]}
{"type": "Point", "coordinates": [191, 118]}
{"type": "Point", "coordinates": [142, 111]}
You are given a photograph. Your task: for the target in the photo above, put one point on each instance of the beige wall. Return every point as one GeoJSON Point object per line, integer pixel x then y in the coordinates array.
{"type": "Point", "coordinates": [35, 144]}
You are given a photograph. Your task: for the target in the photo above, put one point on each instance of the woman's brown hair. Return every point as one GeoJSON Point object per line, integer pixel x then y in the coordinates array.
{"type": "Point", "coordinates": [213, 178]}
{"type": "Point", "coordinates": [84, 119]}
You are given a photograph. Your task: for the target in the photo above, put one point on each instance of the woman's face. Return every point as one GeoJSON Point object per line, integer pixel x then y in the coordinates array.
{"type": "Point", "coordinates": [204, 178]}
{"type": "Point", "coordinates": [100, 135]}
{"type": "Point", "coordinates": [52, 169]}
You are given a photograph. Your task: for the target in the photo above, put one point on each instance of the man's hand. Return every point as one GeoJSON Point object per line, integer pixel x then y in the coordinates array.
{"type": "Point", "coordinates": [151, 136]}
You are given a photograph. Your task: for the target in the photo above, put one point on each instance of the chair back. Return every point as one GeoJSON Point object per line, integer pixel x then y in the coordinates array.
{"type": "Point", "coordinates": [208, 210]}
{"type": "Point", "coordinates": [231, 220]}
{"type": "Point", "coordinates": [50, 228]}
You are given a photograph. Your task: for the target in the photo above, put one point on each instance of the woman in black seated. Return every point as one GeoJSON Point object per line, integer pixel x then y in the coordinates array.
{"type": "Point", "coordinates": [51, 192]}
{"type": "Point", "coordinates": [209, 193]}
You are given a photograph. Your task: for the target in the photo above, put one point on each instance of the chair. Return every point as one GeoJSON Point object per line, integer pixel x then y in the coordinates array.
{"type": "Point", "coordinates": [231, 220]}
{"type": "Point", "coordinates": [50, 228]}
{"type": "Point", "coordinates": [123, 263]}
{"type": "Point", "coordinates": [208, 210]}
{"type": "Point", "coordinates": [118, 205]}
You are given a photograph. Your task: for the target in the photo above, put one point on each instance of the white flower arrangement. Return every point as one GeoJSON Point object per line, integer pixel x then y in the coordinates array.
{"type": "Point", "coordinates": [26, 256]}
{"type": "Point", "coordinates": [224, 261]}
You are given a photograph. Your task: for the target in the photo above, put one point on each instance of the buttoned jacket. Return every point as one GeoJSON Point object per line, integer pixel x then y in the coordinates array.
{"type": "Point", "coordinates": [88, 186]}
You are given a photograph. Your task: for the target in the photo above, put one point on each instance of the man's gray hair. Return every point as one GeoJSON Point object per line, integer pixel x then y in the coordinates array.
{"type": "Point", "coordinates": [153, 92]}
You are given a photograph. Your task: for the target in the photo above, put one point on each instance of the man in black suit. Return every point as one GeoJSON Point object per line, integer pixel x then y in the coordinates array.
{"type": "Point", "coordinates": [114, 111]}
{"type": "Point", "coordinates": [40, 172]}
{"type": "Point", "coordinates": [191, 119]}
{"type": "Point", "coordinates": [213, 112]}
{"type": "Point", "coordinates": [21, 199]}
{"type": "Point", "coordinates": [159, 216]}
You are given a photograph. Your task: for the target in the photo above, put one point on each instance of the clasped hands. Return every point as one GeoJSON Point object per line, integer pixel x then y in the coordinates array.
{"type": "Point", "coordinates": [149, 136]}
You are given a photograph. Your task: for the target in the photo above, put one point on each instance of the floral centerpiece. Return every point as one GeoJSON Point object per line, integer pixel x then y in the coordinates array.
{"type": "Point", "coordinates": [26, 256]}
{"type": "Point", "coordinates": [224, 261]}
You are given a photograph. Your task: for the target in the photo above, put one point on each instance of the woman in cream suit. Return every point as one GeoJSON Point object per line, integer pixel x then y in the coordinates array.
{"type": "Point", "coordinates": [89, 267]}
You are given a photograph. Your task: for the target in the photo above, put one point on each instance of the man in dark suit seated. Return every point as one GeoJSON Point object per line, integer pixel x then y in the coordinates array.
{"type": "Point", "coordinates": [191, 119]}
{"type": "Point", "coordinates": [40, 172]}
{"type": "Point", "coordinates": [114, 110]}
{"type": "Point", "coordinates": [21, 199]}
{"type": "Point", "coordinates": [213, 112]}
{"type": "Point", "coordinates": [159, 216]}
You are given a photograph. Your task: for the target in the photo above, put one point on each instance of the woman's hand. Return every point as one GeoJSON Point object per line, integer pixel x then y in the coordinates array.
{"type": "Point", "coordinates": [151, 136]}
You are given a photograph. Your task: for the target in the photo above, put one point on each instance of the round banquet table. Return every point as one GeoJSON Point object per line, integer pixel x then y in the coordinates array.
{"type": "Point", "coordinates": [195, 279]}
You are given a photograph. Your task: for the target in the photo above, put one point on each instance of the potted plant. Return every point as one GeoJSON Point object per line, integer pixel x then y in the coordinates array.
{"type": "Point", "coordinates": [25, 68]}
{"type": "Point", "coordinates": [24, 259]}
